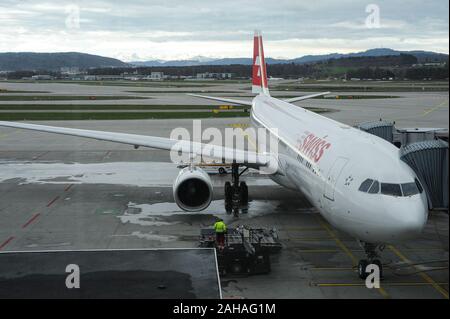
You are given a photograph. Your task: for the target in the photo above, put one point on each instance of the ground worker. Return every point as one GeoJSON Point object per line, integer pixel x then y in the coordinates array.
{"type": "Point", "coordinates": [220, 229]}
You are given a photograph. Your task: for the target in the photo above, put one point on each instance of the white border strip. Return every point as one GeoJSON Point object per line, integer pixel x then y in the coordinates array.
{"type": "Point", "coordinates": [99, 250]}
{"type": "Point", "coordinates": [218, 275]}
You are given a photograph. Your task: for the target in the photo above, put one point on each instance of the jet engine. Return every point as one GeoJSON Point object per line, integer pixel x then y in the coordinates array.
{"type": "Point", "coordinates": [192, 189]}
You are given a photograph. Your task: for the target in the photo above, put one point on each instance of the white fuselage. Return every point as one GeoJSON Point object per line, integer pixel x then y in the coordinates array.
{"type": "Point", "coordinates": [327, 161]}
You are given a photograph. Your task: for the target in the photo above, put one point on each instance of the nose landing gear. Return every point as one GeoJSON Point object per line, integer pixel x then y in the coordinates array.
{"type": "Point", "coordinates": [236, 193]}
{"type": "Point", "coordinates": [372, 258]}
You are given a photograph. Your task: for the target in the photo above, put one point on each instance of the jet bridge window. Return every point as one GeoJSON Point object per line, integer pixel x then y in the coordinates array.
{"type": "Point", "coordinates": [365, 185]}
{"type": "Point", "coordinates": [391, 189]}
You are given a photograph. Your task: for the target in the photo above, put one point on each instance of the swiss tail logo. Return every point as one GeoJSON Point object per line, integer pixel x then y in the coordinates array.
{"type": "Point", "coordinates": [259, 80]}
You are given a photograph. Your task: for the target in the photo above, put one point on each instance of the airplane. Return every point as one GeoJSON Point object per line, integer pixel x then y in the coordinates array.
{"type": "Point", "coordinates": [355, 180]}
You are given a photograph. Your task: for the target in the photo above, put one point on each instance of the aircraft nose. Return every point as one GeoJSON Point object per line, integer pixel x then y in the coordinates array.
{"type": "Point", "coordinates": [412, 221]}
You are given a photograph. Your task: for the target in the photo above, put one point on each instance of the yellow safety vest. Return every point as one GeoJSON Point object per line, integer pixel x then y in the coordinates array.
{"type": "Point", "coordinates": [220, 227]}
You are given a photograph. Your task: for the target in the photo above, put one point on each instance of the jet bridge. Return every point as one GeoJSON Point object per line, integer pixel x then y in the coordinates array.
{"type": "Point", "coordinates": [429, 159]}
{"type": "Point", "coordinates": [425, 150]}
{"type": "Point", "coordinates": [383, 129]}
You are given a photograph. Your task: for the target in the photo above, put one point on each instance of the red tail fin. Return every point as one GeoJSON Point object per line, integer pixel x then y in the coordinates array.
{"type": "Point", "coordinates": [259, 81]}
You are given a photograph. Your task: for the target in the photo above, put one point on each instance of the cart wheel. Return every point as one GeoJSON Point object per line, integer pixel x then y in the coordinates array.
{"type": "Point", "coordinates": [236, 268]}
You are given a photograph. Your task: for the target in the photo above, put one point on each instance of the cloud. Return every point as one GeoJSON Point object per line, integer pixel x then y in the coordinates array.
{"type": "Point", "coordinates": [175, 29]}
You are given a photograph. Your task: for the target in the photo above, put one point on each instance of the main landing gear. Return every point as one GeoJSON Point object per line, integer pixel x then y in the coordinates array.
{"type": "Point", "coordinates": [372, 258]}
{"type": "Point", "coordinates": [236, 193]}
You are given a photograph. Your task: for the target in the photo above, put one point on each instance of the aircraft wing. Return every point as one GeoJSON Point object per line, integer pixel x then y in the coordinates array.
{"type": "Point", "coordinates": [221, 99]}
{"type": "Point", "coordinates": [248, 103]}
{"type": "Point", "coordinates": [305, 97]}
{"type": "Point", "coordinates": [249, 158]}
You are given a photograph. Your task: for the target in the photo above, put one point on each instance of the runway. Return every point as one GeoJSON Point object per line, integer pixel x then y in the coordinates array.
{"type": "Point", "coordinates": [59, 192]}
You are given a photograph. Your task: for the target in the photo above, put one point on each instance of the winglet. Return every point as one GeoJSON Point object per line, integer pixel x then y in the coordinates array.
{"type": "Point", "coordinates": [259, 74]}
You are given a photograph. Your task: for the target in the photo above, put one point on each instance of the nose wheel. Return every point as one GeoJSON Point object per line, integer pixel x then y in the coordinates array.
{"type": "Point", "coordinates": [236, 192]}
{"type": "Point", "coordinates": [372, 258]}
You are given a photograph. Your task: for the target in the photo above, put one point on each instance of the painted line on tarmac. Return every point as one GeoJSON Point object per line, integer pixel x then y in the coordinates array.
{"type": "Point", "coordinates": [332, 284]}
{"type": "Point", "coordinates": [107, 154]}
{"type": "Point", "coordinates": [338, 241]}
{"type": "Point", "coordinates": [425, 276]}
{"type": "Point", "coordinates": [346, 250]}
{"type": "Point", "coordinates": [52, 201]}
{"type": "Point", "coordinates": [331, 268]}
{"type": "Point", "coordinates": [40, 155]}
{"type": "Point", "coordinates": [8, 134]}
{"type": "Point", "coordinates": [32, 219]}
{"type": "Point", "coordinates": [6, 242]}
{"type": "Point", "coordinates": [426, 112]}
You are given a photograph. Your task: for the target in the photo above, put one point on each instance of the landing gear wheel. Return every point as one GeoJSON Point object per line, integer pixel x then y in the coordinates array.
{"type": "Point", "coordinates": [243, 190]}
{"type": "Point", "coordinates": [380, 266]}
{"type": "Point", "coordinates": [362, 265]}
{"type": "Point", "coordinates": [228, 192]}
{"type": "Point", "coordinates": [372, 256]}
{"type": "Point", "coordinates": [236, 193]}
{"type": "Point", "coordinates": [222, 171]}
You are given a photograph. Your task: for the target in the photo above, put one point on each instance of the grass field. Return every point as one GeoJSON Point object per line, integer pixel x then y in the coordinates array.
{"type": "Point", "coordinates": [66, 97]}
{"type": "Point", "coordinates": [125, 113]}
{"type": "Point", "coordinates": [75, 107]}
{"type": "Point", "coordinates": [160, 84]}
{"type": "Point", "coordinates": [338, 96]}
{"type": "Point", "coordinates": [364, 86]}
{"type": "Point", "coordinates": [34, 116]}
{"type": "Point", "coordinates": [356, 97]}
{"type": "Point", "coordinates": [180, 91]}
{"type": "Point", "coordinates": [20, 91]}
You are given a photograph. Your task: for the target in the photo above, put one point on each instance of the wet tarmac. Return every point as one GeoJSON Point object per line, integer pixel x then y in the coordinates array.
{"type": "Point", "coordinates": [66, 193]}
{"type": "Point", "coordinates": [44, 212]}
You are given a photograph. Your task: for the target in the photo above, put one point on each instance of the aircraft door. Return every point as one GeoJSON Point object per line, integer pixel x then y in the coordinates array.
{"type": "Point", "coordinates": [332, 177]}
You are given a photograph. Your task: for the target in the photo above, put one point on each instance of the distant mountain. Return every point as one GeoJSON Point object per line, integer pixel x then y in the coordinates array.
{"type": "Point", "coordinates": [194, 62]}
{"type": "Point", "coordinates": [422, 56]}
{"type": "Point", "coordinates": [18, 61]}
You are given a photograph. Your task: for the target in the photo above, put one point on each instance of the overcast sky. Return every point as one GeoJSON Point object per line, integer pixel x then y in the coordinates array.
{"type": "Point", "coordinates": [134, 30]}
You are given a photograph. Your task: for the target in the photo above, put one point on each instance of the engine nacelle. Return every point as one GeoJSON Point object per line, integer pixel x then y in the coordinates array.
{"type": "Point", "coordinates": [192, 189]}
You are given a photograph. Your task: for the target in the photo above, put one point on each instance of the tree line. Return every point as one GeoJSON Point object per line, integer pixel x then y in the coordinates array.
{"type": "Point", "coordinates": [403, 66]}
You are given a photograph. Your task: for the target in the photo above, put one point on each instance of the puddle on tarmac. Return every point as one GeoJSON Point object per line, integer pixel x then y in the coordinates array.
{"type": "Point", "coordinates": [150, 236]}
{"type": "Point", "coordinates": [141, 174]}
{"type": "Point", "coordinates": [166, 213]}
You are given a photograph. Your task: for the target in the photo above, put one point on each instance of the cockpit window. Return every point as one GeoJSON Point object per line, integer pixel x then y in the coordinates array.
{"type": "Point", "coordinates": [419, 186]}
{"type": "Point", "coordinates": [406, 189]}
{"type": "Point", "coordinates": [365, 185]}
{"type": "Point", "coordinates": [410, 189]}
{"type": "Point", "coordinates": [375, 188]}
{"type": "Point", "coordinates": [391, 189]}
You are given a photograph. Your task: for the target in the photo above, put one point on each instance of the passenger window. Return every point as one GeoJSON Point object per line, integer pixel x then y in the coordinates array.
{"type": "Point", "coordinates": [419, 186]}
{"type": "Point", "coordinates": [365, 185]}
{"type": "Point", "coordinates": [391, 189]}
{"type": "Point", "coordinates": [409, 189]}
{"type": "Point", "coordinates": [375, 188]}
